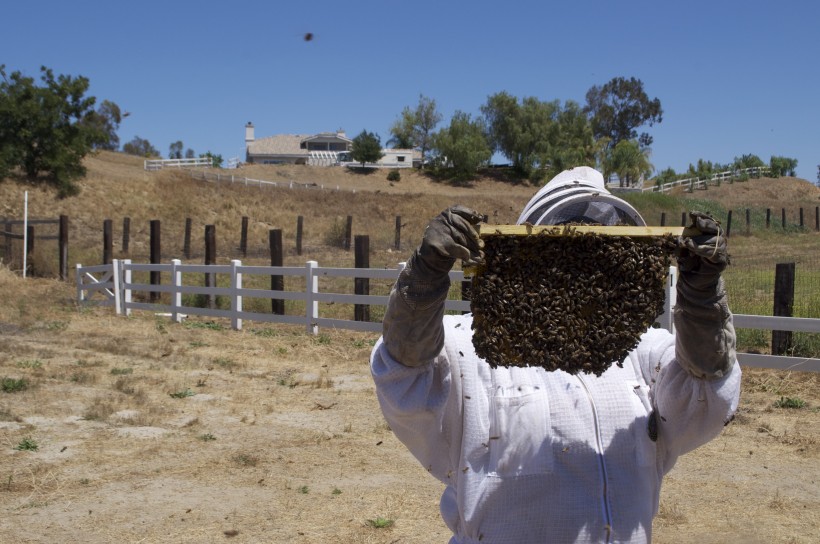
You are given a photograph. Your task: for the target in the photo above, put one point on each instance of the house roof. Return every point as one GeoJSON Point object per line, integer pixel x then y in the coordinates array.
{"type": "Point", "coordinates": [282, 144]}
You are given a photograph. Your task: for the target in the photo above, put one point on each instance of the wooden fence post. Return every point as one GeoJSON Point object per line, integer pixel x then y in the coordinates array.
{"type": "Point", "coordinates": [210, 258]}
{"type": "Point", "coordinates": [63, 247]}
{"type": "Point", "coordinates": [126, 234]}
{"type": "Point", "coordinates": [243, 237]}
{"type": "Point", "coordinates": [156, 257]}
{"type": "Point", "coordinates": [108, 241]}
{"type": "Point", "coordinates": [783, 217]}
{"type": "Point", "coordinates": [663, 219]}
{"type": "Point", "coordinates": [186, 243]}
{"type": "Point", "coordinates": [30, 250]}
{"type": "Point", "coordinates": [397, 241]}
{"type": "Point", "coordinates": [748, 222]}
{"type": "Point", "coordinates": [783, 305]}
{"type": "Point", "coordinates": [348, 232]}
{"type": "Point", "coordinates": [362, 285]}
{"type": "Point", "coordinates": [768, 217]}
{"type": "Point", "coordinates": [277, 281]}
{"type": "Point", "coordinates": [801, 218]}
{"type": "Point", "coordinates": [683, 219]}
{"type": "Point", "coordinates": [729, 223]}
{"type": "Point", "coordinates": [300, 223]}
{"type": "Point", "coordinates": [817, 218]}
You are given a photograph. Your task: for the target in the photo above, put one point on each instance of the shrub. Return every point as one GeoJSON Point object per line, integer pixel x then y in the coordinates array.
{"type": "Point", "coordinates": [394, 175]}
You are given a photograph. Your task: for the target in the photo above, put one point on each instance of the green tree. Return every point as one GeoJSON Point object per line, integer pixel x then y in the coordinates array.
{"type": "Point", "coordinates": [571, 141]}
{"type": "Point", "coordinates": [521, 131]}
{"type": "Point", "coordinates": [463, 145]}
{"type": "Point", "coordinates": [414, 129]}
{"type": "Point", "coordinates": [216, 160]}
{"type": "Point", "coordinates": [782, 166]}
{"type": "Point", "coordinates": [366, 147]}
{"type": "Point", "coordinates": [619, 107]}
{"type": "Point", "coordinates": [747, 161]}
{"type": "Point", "coordinates": [47, 129]}
{"type": "Point", "coordinates": [189, 153]}
{"type": "Point", "coordinates": [629, 161]}
{"type": "Point", "coordinates": [175, 150]}
{"type": "Point", "coordinates": [140, 147]}
{"type": "Point", "coordinates": [106, 120]}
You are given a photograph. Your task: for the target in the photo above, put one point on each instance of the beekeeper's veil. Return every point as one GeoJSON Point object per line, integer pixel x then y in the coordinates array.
{"type": "Point", "coordinates": [578, 195]}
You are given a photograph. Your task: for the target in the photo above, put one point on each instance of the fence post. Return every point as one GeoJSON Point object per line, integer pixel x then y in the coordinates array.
{"type": "Point", "coordinates": [683, 219]}
{"type": "Point", "coordinates": [729, 224]}
{"type": "Point", "coordinates": [9, 251]}
{"type": "Point", "coordinates": [126, 234]}
{"type": "Point", "coordinates": [361, 312]}
{"type": "Point", "coordinates": [801, 218]}
{"type": "Point", "coordinates": [748, 222]}
{"type": "Point", "coordinates": [63, 247]}
{"type": "Point", "coordinates": [115, 279]}
{"type": "Point", "coordinates": [300, 221]}
{"type": "Point", "coordinates": [29, 251]}
{"type": "Point", "coordinates": [663, 219]}
{"type": "Point", "coordinates": [783, 305]}
{"type": "Point", "coordinates": [783, 217]}
{"type": "Point", "coordinates": [768, 217]}
{"type": "Point", "coordinates": [397, 242]}
{"type": "Point", "coordinates": [125, 267]}
{"type": "Point", "coordinates": [108, 241]}
{"type": "Point", "coordinates": [277, 281]}
{"type": "Point", "coordinates": [155, 257]}
{"type": "Point", "coordinates": [311, 304]}
{"type": "Point", "coordinates": [78, 277]}
{"type": "Point", "coordinates": [186, 243]}
{"type": "Point", "coordinates": [817, 218]}
{"type": "Point", "coordinates": [243, 238]}
{"type": "Point", "coordinates": [236, 298]}
{"type": "Point", "coordinates": [176, 294]}
{"type": "Point", "coordinates": [210, 258]}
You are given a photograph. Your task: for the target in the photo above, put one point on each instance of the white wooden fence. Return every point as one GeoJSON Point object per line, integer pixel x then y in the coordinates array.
{"type": "Point", "coordinates": [714, 179]}
{"type": "Point", "coordinates": [112, 285]}
{"type": "Point", "coordinates": [159, 164]}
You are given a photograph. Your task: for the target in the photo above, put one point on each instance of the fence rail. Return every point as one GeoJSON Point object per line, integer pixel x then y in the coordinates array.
{"type": "Point", "coordinates": [702, 182]}
{"type": "Point", "coordinates": [159, 164]}
{"type": "Point", "coordinates": [112, 285]}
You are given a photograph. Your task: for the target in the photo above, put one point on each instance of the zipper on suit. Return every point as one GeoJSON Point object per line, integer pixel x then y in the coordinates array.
{"type": "Point", "coordinates": [600, 450]}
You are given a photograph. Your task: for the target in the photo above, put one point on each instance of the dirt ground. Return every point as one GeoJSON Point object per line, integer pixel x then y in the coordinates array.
{"type": "Point", "coordinates": [137, 429]}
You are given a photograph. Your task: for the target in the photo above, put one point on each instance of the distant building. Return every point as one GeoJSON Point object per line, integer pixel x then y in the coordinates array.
{"type": "Point", "coordinates": [323, 149]}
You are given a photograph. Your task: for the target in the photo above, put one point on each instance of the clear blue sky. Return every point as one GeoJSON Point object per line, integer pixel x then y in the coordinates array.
{"type": "Point", "coordinates": [733, 76]}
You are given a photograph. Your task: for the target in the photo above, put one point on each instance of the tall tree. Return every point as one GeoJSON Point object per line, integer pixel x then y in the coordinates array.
{"type": "Point", "coordinates": [619, 107]}
{"type": "Point", "coordinates": [106, 120]}
{"type": "Point", "coordinates": [140, 147]}
{"type": "Point", "coordinates": [47, 129]}
{"type": "Point", "coordinates": [629, 160]}
{"type": "Point", "coordinates": [175, 150]}
{"type": "Point", "coordinates": [414, 129]}
{"type": "Point", "coordinates": [366, 147]}
{"type": "Point", "coordinates": [463, 145]}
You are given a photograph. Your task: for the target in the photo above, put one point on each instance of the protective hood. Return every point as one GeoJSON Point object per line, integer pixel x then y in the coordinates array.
{"type": "Point", "coordinates": [578, 195]}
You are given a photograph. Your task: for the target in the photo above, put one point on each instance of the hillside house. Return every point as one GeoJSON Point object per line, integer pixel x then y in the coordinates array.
{"type": "Point", "coordinates": [323, 149]}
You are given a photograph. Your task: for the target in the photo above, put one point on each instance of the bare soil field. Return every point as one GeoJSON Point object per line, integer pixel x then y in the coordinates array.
{"type": "Point", "coordinates": [138, 429]}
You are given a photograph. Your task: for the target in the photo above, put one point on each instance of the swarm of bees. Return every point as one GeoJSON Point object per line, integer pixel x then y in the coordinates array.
{"type": "Point", "coordinates": [577, 303]}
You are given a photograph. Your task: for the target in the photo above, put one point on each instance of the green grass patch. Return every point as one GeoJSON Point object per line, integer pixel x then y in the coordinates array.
{"type": "Point", "coordinates": [13, 385]}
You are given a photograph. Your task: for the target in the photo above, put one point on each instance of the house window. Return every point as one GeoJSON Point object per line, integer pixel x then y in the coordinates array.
{"type": "Point", "coordinates": [400, 158]}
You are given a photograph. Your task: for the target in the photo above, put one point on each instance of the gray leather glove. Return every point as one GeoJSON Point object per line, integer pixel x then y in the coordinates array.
{"type": "Point", "coordinates": [705, 334]}
{"type": "Point", "coordinates": [413, 330]}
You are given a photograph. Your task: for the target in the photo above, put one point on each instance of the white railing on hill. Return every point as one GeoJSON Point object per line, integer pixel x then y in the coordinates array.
{"type": "Point", "coordinates": [112, 285]}
{"type": "Point", "coordinates": [250, 182]}
{"type": "Point", "coordinates": [159, 164]}
{"type": "Point", "coordinates": [714, 179]}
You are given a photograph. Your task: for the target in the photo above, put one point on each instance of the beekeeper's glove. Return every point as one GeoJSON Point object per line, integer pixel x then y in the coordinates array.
{"type": "Point", "coordinates": [413, 331]}
{"type": "Point", "coordinates": [705, 334]}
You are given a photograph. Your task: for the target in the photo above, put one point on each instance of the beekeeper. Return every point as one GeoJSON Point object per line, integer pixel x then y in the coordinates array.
{"type": "Point", "coordinates": [532, 456]}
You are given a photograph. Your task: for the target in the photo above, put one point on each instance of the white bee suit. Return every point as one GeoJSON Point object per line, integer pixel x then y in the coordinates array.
{"type": "Point", "coordinates": [533, 456]}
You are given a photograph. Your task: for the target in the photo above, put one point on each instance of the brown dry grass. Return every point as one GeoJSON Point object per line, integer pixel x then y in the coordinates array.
{"type": "Point", "coordinates": [282, 439]}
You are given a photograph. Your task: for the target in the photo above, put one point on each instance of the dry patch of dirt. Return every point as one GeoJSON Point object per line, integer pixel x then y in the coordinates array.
{"type": "Point", "coordinates": [150, 431]}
